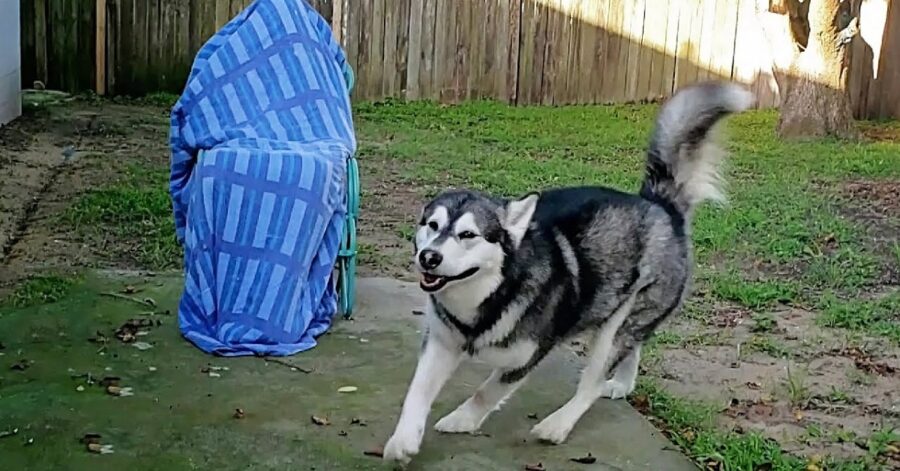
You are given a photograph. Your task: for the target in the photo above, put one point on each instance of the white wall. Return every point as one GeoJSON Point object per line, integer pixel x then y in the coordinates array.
{"type": "Point", "coordinates": [10, 64]}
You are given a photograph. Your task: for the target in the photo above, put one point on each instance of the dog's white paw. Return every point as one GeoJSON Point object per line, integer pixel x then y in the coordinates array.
{"type": "Point", "coordinates": [553, 429]}
{"type": "Point", "coordinates": [615, 389]}
{"type": "Point", "coordinates": [402, 446]}
{"type": "Point", "coordinates": [459, 421]}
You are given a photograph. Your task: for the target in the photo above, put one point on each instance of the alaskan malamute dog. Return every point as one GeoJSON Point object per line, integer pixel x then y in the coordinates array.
{"type": "Point", "coordinates": [509, 280]}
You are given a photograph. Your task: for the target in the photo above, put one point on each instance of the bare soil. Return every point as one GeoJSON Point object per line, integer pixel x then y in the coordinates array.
{"type": "Point", "coordinates": [49, 157]}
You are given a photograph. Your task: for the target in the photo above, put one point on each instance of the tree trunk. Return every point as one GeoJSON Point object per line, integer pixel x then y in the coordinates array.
{"type": "Point", "coordinates": [815, 101]}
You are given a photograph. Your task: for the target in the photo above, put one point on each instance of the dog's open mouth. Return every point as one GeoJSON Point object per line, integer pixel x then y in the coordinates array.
{"type": "Point", "coordinates": [431, 283]}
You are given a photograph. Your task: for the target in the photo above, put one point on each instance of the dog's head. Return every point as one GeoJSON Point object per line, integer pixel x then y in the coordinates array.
{"type": "Point", "coordinates": [464, 236]}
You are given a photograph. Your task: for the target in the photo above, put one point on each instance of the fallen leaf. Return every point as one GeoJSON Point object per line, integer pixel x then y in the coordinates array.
{"type": "Point", "coordinates": [151, 368]}
{"type": "Point", "coordinates": [142, 345]}
{"type": "Point", "coordinates": [150, 302]}
{"type": "Point", "coordinates": [589, 459]}
{"type": "Point", "coordinates": [213, 374]}
{"type": "Point", "coordinates": [348, 389]}
{"type": "Point", "coordinates": [99, 337]}
{"type": "Point", "coordinates": [238, 413]}
{"type": "Point", "coordinates": [127, 332]}
{"type": "Point", "coordinates": [377, 452]}
{"type": "Point", "coordinates": [320, 420]}
{"type": "Point", "coordinates": [688, 435]}
{"type": "Point", "coordinates": [119, 391]}
{"type": "Point", "coordinates": [798, 415]}
{"type": "Point", "coordinates": [754, 385]}
{"type": "Point", "coordinates": [535, 467]}
{"type": "Point", "coordinates": [80, 388]}
{"type": "Point", "coordinates": [20, 365]}
{"type": "Point", "coordinates": [110, 381]}
{"type": "Point", "coordinates": [357, 421]}
{"type": "Point", "coordinates": [641, 402]}
{"type": "Point", "coordinates": [342, 433]}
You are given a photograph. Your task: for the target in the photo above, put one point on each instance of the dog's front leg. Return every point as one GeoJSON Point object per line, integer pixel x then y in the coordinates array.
{"type": "Point", "coordinates": [436, 364]}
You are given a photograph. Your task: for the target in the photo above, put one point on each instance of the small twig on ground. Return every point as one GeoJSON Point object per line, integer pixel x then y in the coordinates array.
{"type": "Point", "coordinates": [142, 302]}
{"type": "Point", "coordinates": [288, 364]}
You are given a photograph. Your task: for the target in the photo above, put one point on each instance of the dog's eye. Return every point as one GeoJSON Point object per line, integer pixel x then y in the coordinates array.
{"type": "Point", "coordinates": [466, 235]}
{"type": "Point", "coordinates": [433, 225]}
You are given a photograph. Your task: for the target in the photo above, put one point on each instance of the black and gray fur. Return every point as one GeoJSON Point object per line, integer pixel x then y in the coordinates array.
{"type": "Point", "coordinates": [592, 260]}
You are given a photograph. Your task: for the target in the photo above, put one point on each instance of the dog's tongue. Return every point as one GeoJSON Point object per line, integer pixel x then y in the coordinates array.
{"type": "Point", "coordinates": [430, 279]}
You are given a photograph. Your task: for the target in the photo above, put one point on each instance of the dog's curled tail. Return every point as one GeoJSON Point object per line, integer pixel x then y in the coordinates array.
{"type": "Point", "coordinates": [683, 160]}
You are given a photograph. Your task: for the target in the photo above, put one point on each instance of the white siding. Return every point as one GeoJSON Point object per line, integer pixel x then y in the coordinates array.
{"type": "Point", "coordinates": [10, 63]}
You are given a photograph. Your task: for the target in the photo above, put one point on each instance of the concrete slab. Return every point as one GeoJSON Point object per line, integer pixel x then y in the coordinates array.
{"type": "Point", "coordinates": [181, 415]}
{"type": "Point", "coordinates": [613, 431]}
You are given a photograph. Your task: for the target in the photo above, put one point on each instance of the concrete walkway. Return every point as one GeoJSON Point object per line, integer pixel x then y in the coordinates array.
{"type": "Point", "coordinates": [618, 436]}
{"type": "Point", "coordinates": [182, 412]}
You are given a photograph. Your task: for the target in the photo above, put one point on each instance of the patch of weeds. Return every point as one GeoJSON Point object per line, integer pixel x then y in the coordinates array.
{"type": "Point", "coordinates": [875, 316]}
{"type": "Point", "coordinates": [847, 269]}
{"type": "Point", "coordinates": [764, 344]}
{"type": "Point", "coordinates": [159, 99]}
{"type": "Point", "coordinates": [797, 388]}
{"type": "Point", "coordinates": [752, 294]}
{"type": "Point", "coordinates": [763, 322]}
{"type": "Point", "coordinates": [665, 337]}
{"type": "Point", "coordinates": [406, 232]}
{"type": "Point", "coordinates": [369, 255]}
{"type": "Point", "coordinates": [836, 396]}
{"type": "Point", "coordinates": [40, 290]}
{"type": "Point", "coordinates": [895, 251]}
{"type": "Point", "coordinates": [883, 441]}
{"type": "Point", "coordinates": [691, 426]}
{"type": "Point", "coordinates": [138, 216]}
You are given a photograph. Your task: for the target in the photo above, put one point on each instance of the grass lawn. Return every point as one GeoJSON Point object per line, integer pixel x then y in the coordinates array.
{"type": "Point", "coordinates": [790, 347]}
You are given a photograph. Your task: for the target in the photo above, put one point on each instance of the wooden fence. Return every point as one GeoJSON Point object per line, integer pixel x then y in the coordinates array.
{"type": "Point", "coordinates": [519, 51]}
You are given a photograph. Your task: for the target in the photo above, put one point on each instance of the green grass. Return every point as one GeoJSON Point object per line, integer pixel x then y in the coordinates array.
{"type": "Point", "coordinates": [876, 317]}
{"type": "Point", "coordinates": [731, 286]}
{"type": "Point", "coordinates": [137, 212]}
{"type": "Point", "coordinates": [692, 426]}
{"type": "Point", "coordinates": [40, 290]}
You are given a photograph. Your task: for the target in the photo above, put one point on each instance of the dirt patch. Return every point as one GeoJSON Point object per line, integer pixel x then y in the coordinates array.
{"type": "Point", "coordinates": [881, 198]}
{"type": "Point", "coordinates": [390, 207]}
{"type": "Point", "coordinates": [882, 133]}
{"type": "Point", "coordinates": [809, 388]}
{"type": "Point", "coordinates": [875, 205]}
{"type": "Point", "coordinates": [52, 155]}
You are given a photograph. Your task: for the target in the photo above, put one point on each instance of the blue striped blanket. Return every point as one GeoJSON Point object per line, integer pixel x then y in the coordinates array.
{"type": "Point", "coordinates": [259, 142]}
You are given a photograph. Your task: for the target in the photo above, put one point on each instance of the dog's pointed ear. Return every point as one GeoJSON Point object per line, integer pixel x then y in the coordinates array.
{"type": "Point", "coordinates": [517, 216]}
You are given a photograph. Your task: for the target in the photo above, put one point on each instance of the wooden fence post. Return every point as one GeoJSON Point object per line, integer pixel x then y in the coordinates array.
{"type": "Point", "coordinates": [100, 50]}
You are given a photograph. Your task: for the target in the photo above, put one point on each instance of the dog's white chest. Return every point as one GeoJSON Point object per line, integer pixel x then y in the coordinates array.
{"type": "Point", "coordinates": [513, 356]}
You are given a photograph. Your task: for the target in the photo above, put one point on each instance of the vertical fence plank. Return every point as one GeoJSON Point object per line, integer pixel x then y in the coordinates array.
{"type": "Point", "coordinates": [514, 23]}
{"type": "Point", "coordinates": [414, 54]}
{"type": "Point", "coordinates": [673, 33]}
{"type": "Point", "coordinates": [653, 50]}
{"type": "Point", "coordinates": [100, 48]}
{"type": "Point", "coordinates": [27, 42]}
{"type": "Point", "coordinates": [112, 40]}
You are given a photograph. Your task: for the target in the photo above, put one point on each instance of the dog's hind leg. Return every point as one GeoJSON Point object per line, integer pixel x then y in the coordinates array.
{"type": "Point", "coordinates": [624, 374]}
{"type": "Point", "coordinates": [556, 427]}
{"type": "Point", "coordinates": [490, 396]}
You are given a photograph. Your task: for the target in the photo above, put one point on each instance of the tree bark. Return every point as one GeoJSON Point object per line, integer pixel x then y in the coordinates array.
{"type": "Point", "coordinates": [815, 100]}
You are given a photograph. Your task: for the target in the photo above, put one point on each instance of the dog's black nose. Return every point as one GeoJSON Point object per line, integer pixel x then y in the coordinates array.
{"type": "Point", "coordinates": [430, 259]}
